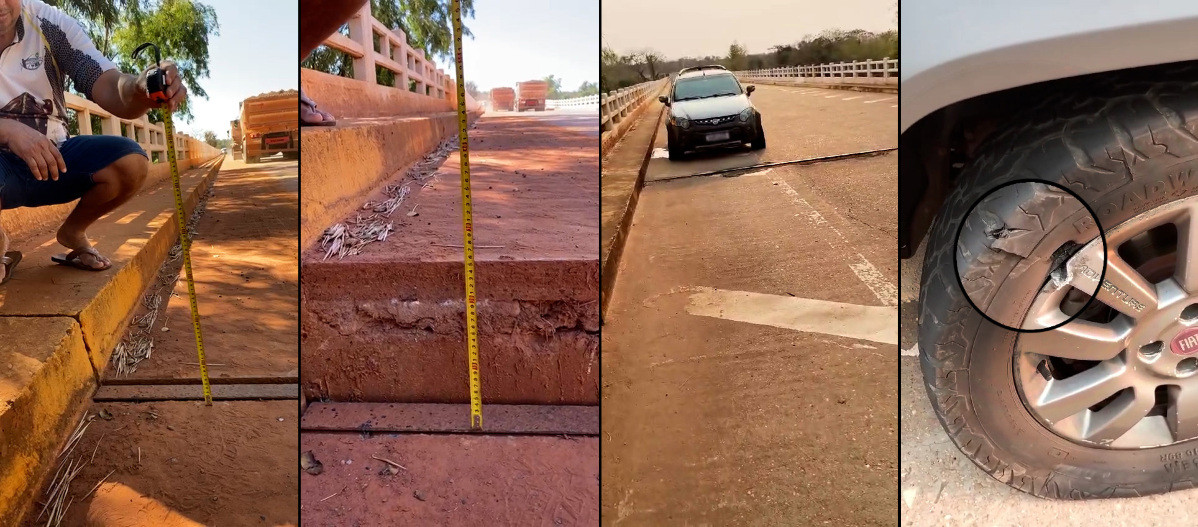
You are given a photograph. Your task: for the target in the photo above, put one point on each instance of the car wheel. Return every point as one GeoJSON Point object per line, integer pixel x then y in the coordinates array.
{"type": "Point", "coordinates": [1106, 405]}
{"type": "Point", "coordinates": [674, 146]}
{"type": "Point", "coordinates": [759, 141]}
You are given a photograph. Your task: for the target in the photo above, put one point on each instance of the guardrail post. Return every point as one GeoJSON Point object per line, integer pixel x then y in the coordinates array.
{"type": "Point", "coordinates": [362, 31]}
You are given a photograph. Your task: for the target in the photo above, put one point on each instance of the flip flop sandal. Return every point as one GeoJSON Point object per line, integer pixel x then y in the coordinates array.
{"type": "Point", "coordinates": [9, 261]}
{"type": "Point", "coordinates": [326, 118]}
{"type": "Point", "coordinates": [72, 259]}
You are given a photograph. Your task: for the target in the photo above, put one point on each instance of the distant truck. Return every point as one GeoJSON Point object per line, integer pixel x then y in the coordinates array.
{"type": "Point", "coordinates": [235, 133]}
{"type": "Point", "coordinates": [269, 125]}
{"type": "Point", "coordinates": [531, 95]}
{"type": "Point", "coordinates": [503, 99]}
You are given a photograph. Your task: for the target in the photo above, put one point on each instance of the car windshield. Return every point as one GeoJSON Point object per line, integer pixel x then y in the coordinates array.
{"type": "Point", "coordinates": [706, 86]}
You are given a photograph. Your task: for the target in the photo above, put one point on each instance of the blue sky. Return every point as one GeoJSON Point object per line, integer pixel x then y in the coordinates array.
{"type": "Point", "coordinates": [257, 51]}
{"type": "Point", "coordinates": [518, 40]}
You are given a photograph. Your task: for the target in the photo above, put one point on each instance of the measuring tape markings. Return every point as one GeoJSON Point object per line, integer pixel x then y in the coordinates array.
{"type": "Point", "coordinates": [185, 244]}
{"type": "Point", "coordinates": [156, 88]}
{"type": "Point", "coordinates": [476, 404]}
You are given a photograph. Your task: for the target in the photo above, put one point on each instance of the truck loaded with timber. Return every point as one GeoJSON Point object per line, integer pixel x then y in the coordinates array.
{"type": "Point", "coordinates": [531, 95]}
{"type": "Point", "coordinates": [503, 99]}
{"type": "Point", "coordinates": [269, 125]}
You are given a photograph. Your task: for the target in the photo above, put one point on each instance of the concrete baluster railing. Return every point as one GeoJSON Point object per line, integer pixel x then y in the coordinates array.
{"type": "Point", "coordinates": [883, 71]}
{"type": "Point", "coordinates": [585, 101]}
{"type": "Point", "coordinates": [615, 106]}
{"type": "Point", "coordinates": [94, 120]}
{"type": "Point", "coordinates": [413, 71]}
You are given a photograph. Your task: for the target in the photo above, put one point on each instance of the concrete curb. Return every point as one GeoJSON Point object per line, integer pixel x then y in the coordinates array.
{"type": "Point", "coordinates": [343, 164]}
{"type": "Point", "coordinates": [610, 261]}
{"type": "Point", "coordinates": [874, 88]}
{"type": "Point", "coordinates": [53, 388]}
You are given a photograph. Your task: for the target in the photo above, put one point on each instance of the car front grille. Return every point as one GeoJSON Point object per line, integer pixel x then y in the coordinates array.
{"type": "Point", "coordinates": [715, 120]}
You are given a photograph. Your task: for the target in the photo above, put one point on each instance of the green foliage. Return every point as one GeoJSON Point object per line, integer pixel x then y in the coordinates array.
{"type": "Point", "coordinates": [555, 86]}
{"type": "Point", "coordinates": [180, 29]}
{"type": "Point", "coordinates": [736, 57]}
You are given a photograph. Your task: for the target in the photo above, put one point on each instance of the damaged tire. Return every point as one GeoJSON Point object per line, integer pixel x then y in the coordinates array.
{"type": "Point", "coordinates": [1106, 405]}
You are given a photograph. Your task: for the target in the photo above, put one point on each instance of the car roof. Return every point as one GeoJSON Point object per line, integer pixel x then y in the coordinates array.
{"type": "Point", "coordinates": [703, 71]}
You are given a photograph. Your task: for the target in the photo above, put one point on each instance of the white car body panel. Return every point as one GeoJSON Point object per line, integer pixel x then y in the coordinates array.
{"type": "Point", "coordinates": [953, 50]}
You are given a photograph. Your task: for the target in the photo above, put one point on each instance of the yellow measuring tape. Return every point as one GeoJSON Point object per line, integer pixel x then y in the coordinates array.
{"type": "Point", "coordinates": [476, 395]}
{"type": "Point", "coordinates": [185, 244]}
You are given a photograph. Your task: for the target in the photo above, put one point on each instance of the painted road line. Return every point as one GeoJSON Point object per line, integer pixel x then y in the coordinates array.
{"type": "Point", "coordinates": [879, 100]}
{"type": "Point", "coordinates": [851, 98]}
{"type": "Point", "coordinates": [872, 323]}
{"type": "Point", "coordinates": [865, 271]}
{"type": "Point", "coordinates": [831, 96]}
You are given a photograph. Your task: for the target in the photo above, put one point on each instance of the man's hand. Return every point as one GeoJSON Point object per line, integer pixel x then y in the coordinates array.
{"type": "Point", "coordinates": [176, 92]}
{"type": "Point", "coordinates": [34, 148]}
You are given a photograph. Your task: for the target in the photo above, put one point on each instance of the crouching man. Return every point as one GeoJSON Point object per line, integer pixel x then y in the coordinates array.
{"type": "Point", "coordinates": [40, 165]}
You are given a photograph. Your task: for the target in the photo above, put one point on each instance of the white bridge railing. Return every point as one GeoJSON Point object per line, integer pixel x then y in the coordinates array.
{"type": "Point", "coordinates": [615, 106]}
{"type": "Point", "coordinates": [576, 102]}
{"type": "Point", "coordinates": [886, 69]}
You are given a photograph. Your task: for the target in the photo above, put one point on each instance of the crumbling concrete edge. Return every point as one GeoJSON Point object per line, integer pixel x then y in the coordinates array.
{"type": "Point", "coordinates": [610, 265]}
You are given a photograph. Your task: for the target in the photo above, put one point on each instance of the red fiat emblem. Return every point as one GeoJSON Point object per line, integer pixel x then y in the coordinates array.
{"type": "Point", "coordinates": [1186, 342]}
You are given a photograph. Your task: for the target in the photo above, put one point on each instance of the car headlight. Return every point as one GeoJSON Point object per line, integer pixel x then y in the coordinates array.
{"type": "Point", "coordinates": [682, 122]}
{"type": "Point", "coordinates": [744, 116]}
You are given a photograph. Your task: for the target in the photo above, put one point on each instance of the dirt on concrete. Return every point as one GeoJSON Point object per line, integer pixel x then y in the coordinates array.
{"type": "Point", "coordinates": [245, 263]}
{"type": "Point", "coordinates": [710, 419]}
{"type": "Point", "coordinates": [175, 464]}
{"type": "Point", "coordinates": [450, 480]}
{"type": "Point", "coordinates": [181, 463]}
{"type": "Point", "coordinates": [375, 324]}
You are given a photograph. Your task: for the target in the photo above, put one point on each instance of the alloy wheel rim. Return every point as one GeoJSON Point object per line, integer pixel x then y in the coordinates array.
{"type": "Point", "coordinates": [1124, 375]}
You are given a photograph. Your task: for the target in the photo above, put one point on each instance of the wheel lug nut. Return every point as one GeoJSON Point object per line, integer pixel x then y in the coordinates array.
{"type": "Point", "coordinates": [1190, 313]}
{"type": "Point", "coordinates": [1152, 350]}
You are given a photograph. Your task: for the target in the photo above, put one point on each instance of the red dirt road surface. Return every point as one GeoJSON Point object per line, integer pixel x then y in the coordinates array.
{"type": "Point", "coordinates": [387, 326]}
{"type": "Point", "coordinates": [451, 479]}
{"type": "Point", "coordinates": [178, 463]}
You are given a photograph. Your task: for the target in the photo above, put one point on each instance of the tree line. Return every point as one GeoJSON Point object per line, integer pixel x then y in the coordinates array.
{"type": "Point", "coordinates": [618, 70]}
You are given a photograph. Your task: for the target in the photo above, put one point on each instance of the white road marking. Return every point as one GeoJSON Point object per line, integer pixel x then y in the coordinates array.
{"type": "Point", "coordinates": [851, 98]}
{"type": "Point", "coordinates": [913, 352]}
{"type": "Point", "coordinates": [831, 96]}
{"type": "Point", "coordinates": [865, 271]}
{"type": "Point", "coordinates": [872, 323]}
{"type": "Point", "coordinates": [880, 100]}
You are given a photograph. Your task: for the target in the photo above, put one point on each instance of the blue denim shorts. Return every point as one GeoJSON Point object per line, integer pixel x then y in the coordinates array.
{"type": "Point", "coordinates": [84, 154]}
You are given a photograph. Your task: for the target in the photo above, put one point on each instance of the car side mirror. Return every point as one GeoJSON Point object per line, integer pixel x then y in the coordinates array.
{"type": "Point", "coordinates": [664, 100]}
{"type": "Point", "coordinates": [749, 90]}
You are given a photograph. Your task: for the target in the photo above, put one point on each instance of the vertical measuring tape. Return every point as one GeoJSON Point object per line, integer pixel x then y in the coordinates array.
{"type": "Point", "coordinates": [156, 86]}
{"type": "Point", "coordinates": [476, 396]}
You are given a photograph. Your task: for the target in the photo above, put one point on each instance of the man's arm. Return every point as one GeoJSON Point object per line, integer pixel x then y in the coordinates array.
{"type": "Point", "coordinates": [126, 97]}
